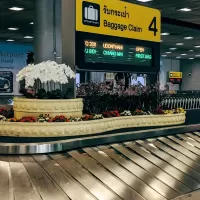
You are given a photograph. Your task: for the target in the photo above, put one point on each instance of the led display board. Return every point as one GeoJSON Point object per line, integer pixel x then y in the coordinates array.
{"type": "Point", "coordinates": [6, 82]}
{"type": "Point", "coordinates": [97, 52]}
{"type": "Point", "coordinates": [117, 53]}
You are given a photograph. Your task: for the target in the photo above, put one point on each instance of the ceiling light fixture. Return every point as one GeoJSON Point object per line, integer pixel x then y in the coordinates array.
{"type": "Point", "coordinates": [168, 52]}
{"type": "Point", "coordinates": [13, 29]}
{"type": "Point", "coordinates": [185, 9]}
{"type": "Point", "coordinates": [16, 9]}
{"type": "Point", "coordinates": [197, 46]}
{"type": "Point", "coordinates": [32, 23]}
{"type": "Point", "coordinates": [191, 50]}
{"type": "Point", "coordinates": [10, 40]}
{"type": "Point", "coordinates": [28, 37]}
{"type": "Point", "coordinates": [164, 55]}
{"type": "Point", "coordinates": [178, 57]}
{"type": "Point", "coordinates": [183, 54]}
{"type": "Point", "coordinates": [173, 48]}
{"type": "Point", "coordinates": [197, 55]}
{"type": "Point", "coordinates": [165, 33]}
{"type": "Point", "coordinates": [188, 38]}
{"type": "Point", "coordinates": [179, 44]}
{"type": "Point", "coordinates": [191, 58]}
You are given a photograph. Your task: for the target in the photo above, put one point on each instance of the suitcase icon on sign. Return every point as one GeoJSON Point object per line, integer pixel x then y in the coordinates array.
{"type": "Point", "coordinates": [91, 13]}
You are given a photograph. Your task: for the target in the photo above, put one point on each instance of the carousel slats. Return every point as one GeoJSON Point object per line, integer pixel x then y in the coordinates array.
{"type": "Point", "coordinates": [162, 168]}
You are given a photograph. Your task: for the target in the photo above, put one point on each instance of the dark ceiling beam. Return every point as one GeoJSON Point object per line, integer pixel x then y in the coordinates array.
{"type": "Point", "coordinates": [166, 20]}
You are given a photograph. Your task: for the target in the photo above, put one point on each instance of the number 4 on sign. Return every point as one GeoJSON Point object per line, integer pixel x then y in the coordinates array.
{"type": "Point", "coordinates": [153, 25]}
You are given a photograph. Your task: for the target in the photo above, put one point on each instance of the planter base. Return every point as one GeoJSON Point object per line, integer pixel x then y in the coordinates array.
{"type": "Point", "coordinates": [24, 107]}
{"type": "Point", "coordinates": [17, 129]}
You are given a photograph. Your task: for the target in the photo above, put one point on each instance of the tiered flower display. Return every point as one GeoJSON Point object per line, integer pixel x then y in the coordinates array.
{"type": "Point", "coordinates": [109, 114]}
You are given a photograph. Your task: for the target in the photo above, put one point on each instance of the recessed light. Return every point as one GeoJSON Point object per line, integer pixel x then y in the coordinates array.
{"type": "Point", "coordinates": [168, 52]}
{"type": "Point", "coordinates": [197, 55]}
{"type": "Point", "coordinates": [197, 46]}
{"type": "Point", "coordinates": [165, 33]}
{"type": "Point", "coordinates": [184, 54]}
{"type": "Point", "coordinates": [16, 9]}
{"type": "Point", "coordinates": [144, 1]}
{"type": "Point", "coordinates": [10, 40]}
{"type": "Point", "coordinates": [178, 57]}
{"type": "Point", "coordinates": [32, 23]}
{"type": "Point", "coordinates": [13, 29]}
{"type": "Point", "coordinates": [185, 9]}
{"type": "Point", "coordinates": [179, 43]}
{"type": "Point", "coordinates": [28, 37]}
{"type": "Point", "coordinates": [164, 55]}
{"type": "Point", "coordinates": [188, 38]}
{"type": "Point", "coordinates": [173, 48]}
{"type": "Point", "coordinates": [191, 50]}
{"type": "Point", "coordinates": [191, 58]}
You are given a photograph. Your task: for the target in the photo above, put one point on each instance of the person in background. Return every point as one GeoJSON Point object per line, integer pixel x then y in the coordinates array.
{"type": "Point", "coordinates": [123, 79]}
{"type": "Point", "coordinates": [30, 91]}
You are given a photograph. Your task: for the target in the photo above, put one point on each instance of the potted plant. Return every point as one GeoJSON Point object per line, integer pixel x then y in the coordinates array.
{"type": "Point", "coordinates": [45, 80]}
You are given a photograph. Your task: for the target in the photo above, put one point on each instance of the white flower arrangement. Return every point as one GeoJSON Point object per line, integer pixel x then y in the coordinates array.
{"type": "Point", "coordinates": [98, 116]}
{"type": "Point", "coordinates": [2, 118]}
{"type": "Point", "coordinates": [45, 72]}
{"type": "Point", "coordinates": [75, 119]}
{"type": "Point", "coordinates": [126, 113]}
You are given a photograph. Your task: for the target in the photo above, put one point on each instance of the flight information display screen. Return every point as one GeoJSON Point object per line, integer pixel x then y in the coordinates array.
{"type": "Point", "coordinates": [116, 53]}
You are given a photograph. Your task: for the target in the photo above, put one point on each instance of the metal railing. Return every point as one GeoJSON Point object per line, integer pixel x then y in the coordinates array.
{"type": "Point", "coordinates": [182, 101]}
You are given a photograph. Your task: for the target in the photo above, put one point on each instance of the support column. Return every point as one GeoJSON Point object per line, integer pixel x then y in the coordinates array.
{"type": "Point", "coordinates": [47, 30]}
{"type": "Point", "coordinates": [54, 35]}
{"type": "Point", "coordinates": [68, 40]}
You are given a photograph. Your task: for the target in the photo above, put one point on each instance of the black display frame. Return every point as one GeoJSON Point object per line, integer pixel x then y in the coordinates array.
{"type": "Point", "coordinates": [82, 65]}
{"type": "Point", "coordinates": [7, 73]}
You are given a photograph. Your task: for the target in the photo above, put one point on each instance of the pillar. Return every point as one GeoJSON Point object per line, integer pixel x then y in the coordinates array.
{"type": "Point", "coordinates": [47, 30]}
{"type": "Point", "coordinates": [54, 35]}
{"type": "Point", "coordinates": [68, 32]}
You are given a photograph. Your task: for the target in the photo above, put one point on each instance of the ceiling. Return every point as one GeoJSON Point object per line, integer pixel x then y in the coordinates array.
{"type": "Point", "coordinates": [21, 20]}
{"type": "Point", "coordinates": [168, 8]}
{"type": "Point", "coordinates": [191, 47]}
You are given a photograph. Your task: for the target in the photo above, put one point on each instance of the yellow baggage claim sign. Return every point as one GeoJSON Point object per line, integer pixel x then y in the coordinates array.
{"type": "Point", "coordinates": [117, 18]}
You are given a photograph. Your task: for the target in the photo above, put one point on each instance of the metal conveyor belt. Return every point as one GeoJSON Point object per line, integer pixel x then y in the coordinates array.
{"type": "Point", "coordinates": [154, 169]}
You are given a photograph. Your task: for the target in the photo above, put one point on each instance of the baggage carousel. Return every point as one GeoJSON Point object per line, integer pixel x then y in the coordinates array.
{"type": "Point", "coordinates": [162, 167]}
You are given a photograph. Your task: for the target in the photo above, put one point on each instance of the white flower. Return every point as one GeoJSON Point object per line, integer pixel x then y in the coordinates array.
{"type": "Point", "coordinates": [2, 118]}
{"type": "Point", "coordinates": [45, 72]}
{"type": "Point", "coordinates": [98, 116]}
{"type": "Point", "coordinates": [126, 113]}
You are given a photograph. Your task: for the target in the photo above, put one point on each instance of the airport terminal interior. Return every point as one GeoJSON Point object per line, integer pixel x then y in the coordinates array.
{"type": "Point", "coordinates": [99, 100]}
